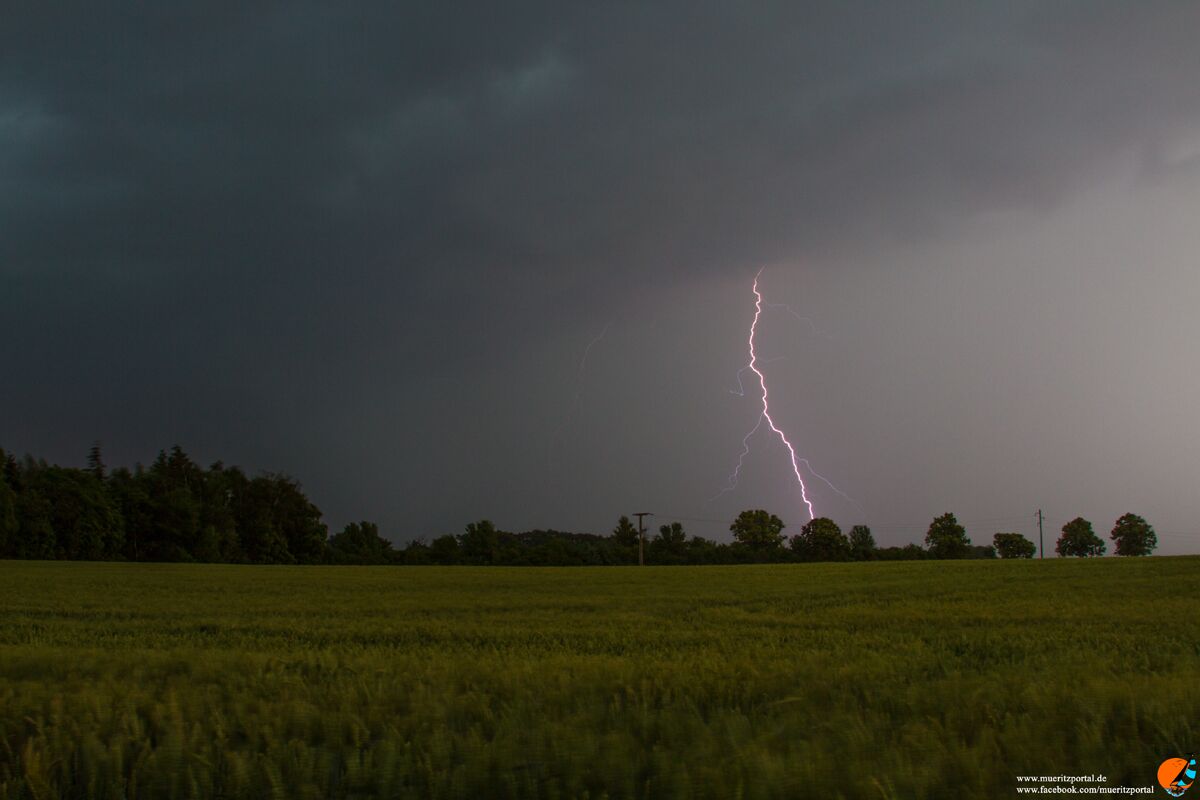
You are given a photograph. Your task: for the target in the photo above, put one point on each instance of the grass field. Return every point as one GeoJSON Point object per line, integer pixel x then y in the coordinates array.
{"type": "Point", "coordinates": [885, 680]}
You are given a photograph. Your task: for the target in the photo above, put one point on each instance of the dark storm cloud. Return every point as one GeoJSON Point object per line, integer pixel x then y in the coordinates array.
{"type": "Point", "coordinates": [227, 223]}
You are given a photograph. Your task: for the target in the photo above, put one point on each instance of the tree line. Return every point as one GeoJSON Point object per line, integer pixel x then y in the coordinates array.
{"type": "Point", "coordinates": [175, 510]}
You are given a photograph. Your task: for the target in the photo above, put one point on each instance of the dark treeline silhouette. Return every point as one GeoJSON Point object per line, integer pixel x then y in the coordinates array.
{"type": "Point", "coordinates": [175, 510]}
{"type": "Point", "coordinates": [172, 510]}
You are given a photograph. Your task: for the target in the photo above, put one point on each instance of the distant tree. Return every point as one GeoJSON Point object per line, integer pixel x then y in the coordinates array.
{"type": "Point", "coordinates": [625, 534]}
{"type": "Point", "coordinates": [820, 540]}
{"type": "Point", "coordinates": [219, 540]}
{"type": "Point", "coordinates": [672, 537]}
{"type": "Point", "coordinates": [670, 545]}
{"type": "Point", "coordinates": [910, 552]}
{"type": "Point", "coordinates": [706, 551]}
{"type": "Point", "coordinates": [95, 463]}
{"type": "Point", "coordinates": [35, 529]}
{"type": "Point", "coordinates": [11, 470]}
{"type": "Point", "coordinates": [1134, 536]}
{"type": "Point", "coordinates": [946, 538]}
{"type": "Point", "coordinates": [1013, 545]}
{"type": "Point", "coordinates": [176, 526]}
{"type": "Point", "coordinates": [276, 523]}
{"type": "Point", "coordinates": [980, 551]}
{"type": "Point", "coordinates": [360, 543]}
{"type": "Point", "coordinates": [862, 543]}
{"type": "Point", "coordinates": [207, 546]}
{"type": "Point", "coordinates": [296, 518]}
{"type": "Point", "coordinates": [259, 534]}
{"type": "Point", "coordinates": [1078, 539]}
{"type": "Point", "coordinates": [552, 552]}
{"type": "Point", "coordinates": [416, 552]}
{"type": "Point", "coordinates": [8, 512]}
{"type": "Point", "coordinates": [174, 508]}
{"type": "Point", "coordinates": [181, 470]}
{"type": "Point", "coordinates": [87, 524]}
{"type": "Point", "coordinates": [758, 531]}
{"type": "Point", "coordinates": [444, 550]}
{"type": "Point", "coordinates": [130, 493]}
{"type": "Point", "coordinates": [480, 543]}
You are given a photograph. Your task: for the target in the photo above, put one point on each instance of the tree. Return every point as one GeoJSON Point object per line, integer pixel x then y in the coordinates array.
{"type": "Point", "coordinates": [862, 543]}
{"type": "Point", "coordinates": [444, 550]}
{"type": "Point", "coordinates": [1078, 539]}
{"type": "Point", "coordinates": [176, 525]}
{"type": "Point", "coordinates": [670, 545]}
{"type": "Point", "coordinates": [218, 522]}
{"type": "Point", "coordinates": [360, 543]}
{"type": "Point", "coordinates": [8, 514]}
{"type": "Point", "coordinates": [1134, 536]}
{"type": "Point", "coordinates": [1013, 545]}
{"type": "Point", "coordinates": [910, 552]}
{"type": "Point", "coordinates": [625, 534]}
{"type": "Point", "coordinates": [672, 537]}
{"type": "Point", "coordinates": [87, 524]}
{"type": "Point", "coordinates": [11, 470]}
{"type": "Point", "coordinates": [758, 530]}
{"type": "Point", "coordinates": [980, 551]}
{"type": "Point", "coordinates": [415, 552]}
{"type": "Point", "coordinates": [706, 551]}
{"type": "Point", "coordinates": [130, 492]}
{"type": "Point", "coordinates": [35, 532]}
{"type": "Point", "coordinates": [946, 538]}
{"type": "Point", "coordinates": [820, 540]}
{"type": "Point", "coordinates": [174, 508]}
{"type": "Point", "coordinates": [480, 544]}
{"type": "Point", "coordinates": [259, 535]}
{"type": "Point", "coordinates": [296, 518]}
{"type": "Point", "coordinates": [95, 463]}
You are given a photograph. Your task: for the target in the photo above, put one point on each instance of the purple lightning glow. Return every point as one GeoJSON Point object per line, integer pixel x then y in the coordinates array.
{"type": "Point", "coordinates": [765, 414]}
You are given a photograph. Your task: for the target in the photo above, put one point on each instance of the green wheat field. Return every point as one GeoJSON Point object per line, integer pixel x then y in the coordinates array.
{"type": "Point", "coordinates": [884, 680]}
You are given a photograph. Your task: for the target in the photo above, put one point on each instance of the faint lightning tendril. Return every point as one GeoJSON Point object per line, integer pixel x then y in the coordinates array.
{"type": "Point", "coordinates": [807, 320]}
{"type": "Point", "coordinates": [586, 351]}
{"type": "Point", "coordinates": [557, 433]}
{"type": "Point", "coordinates": [733, 476]}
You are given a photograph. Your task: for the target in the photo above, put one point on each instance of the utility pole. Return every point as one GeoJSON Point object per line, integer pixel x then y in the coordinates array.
{"type": "Point", "coordinates": [1041, 540]}
{"type": "Point", "coordinates": [641, 537]}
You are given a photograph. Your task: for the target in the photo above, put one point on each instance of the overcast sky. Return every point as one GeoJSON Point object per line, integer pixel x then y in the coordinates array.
{"type": "Point", "coordinates": [450, 261]}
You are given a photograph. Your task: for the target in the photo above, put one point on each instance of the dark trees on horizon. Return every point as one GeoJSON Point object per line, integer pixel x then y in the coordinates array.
{"type": "Point", "coordinates": [175, 510]}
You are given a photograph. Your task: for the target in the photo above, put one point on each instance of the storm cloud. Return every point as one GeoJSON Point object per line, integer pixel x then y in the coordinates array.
{"type": "Point", "coordinates": [370, 246]}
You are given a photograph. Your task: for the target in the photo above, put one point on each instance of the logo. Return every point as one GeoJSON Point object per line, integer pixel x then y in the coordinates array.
{"type": "Point", "coordinates": [1177, 775]}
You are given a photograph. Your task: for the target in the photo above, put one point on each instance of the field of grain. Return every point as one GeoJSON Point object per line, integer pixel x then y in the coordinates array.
{"type": "Point", "coordinates": [885, 680]}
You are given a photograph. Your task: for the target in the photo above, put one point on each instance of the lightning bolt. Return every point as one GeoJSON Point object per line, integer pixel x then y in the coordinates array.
{"type": "Point", "coordinates": [765, 414]}
{"type": "Point", "coordinates": [766, 407]}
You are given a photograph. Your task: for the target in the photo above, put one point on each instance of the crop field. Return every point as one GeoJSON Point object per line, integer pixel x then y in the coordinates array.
{"type": "Point", "coordinates": [884, 680]}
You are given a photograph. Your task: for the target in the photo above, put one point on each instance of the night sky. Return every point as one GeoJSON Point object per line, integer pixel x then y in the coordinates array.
{"type": "Point", "coordinates": [446, 262]}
